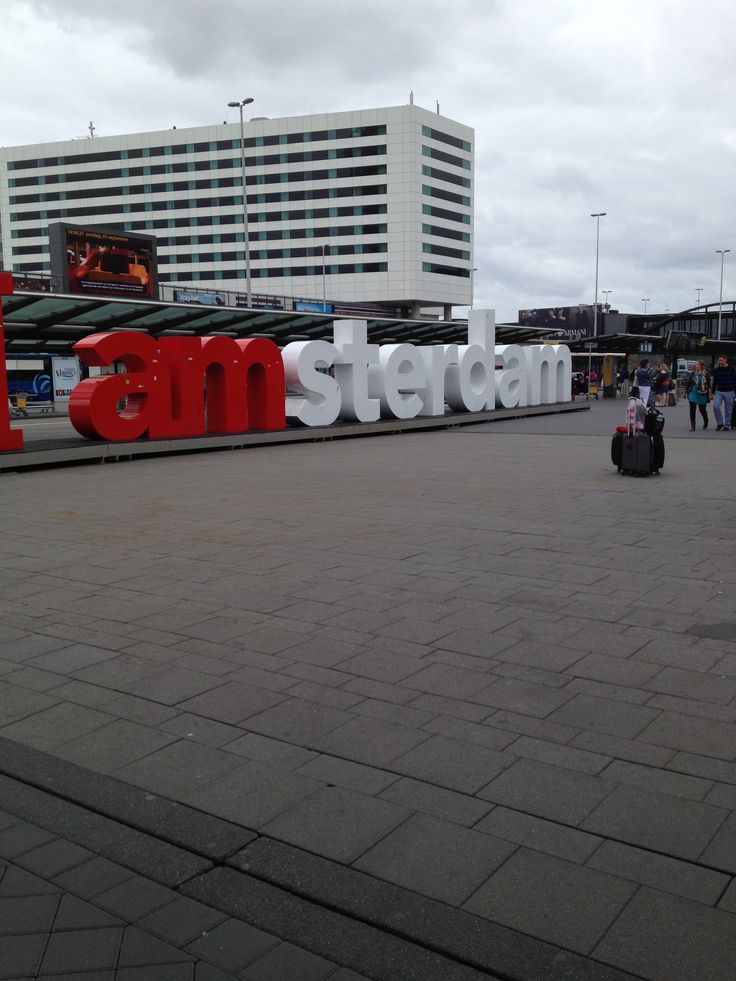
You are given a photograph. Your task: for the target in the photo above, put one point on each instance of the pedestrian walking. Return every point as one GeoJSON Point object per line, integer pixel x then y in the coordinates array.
{"type": "Point", "coordinates": [644, 381]}
{"type": "Point", "coordinates": [723, 384]}
{"type": "Point", "coordinates": [697, 389]}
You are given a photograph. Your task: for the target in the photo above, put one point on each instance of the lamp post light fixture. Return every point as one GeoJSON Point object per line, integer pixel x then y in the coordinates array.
{"type": "Point", "coordinates": [473, 271]}
{"type": "Point", "coordinates": [645, 300]}
{"type": "Point", "coordinates": [239, 105]}
{"type": "Point", "coordinates": [606, 293]}
{"type": "Point", "coordinates": [597, 215]}
{"type": "Point", "coordinates": [324, 287]}
{"type": "Point", "coordinates": [722, 253]}
{"type": "Point", "coordinates": [698, 290]}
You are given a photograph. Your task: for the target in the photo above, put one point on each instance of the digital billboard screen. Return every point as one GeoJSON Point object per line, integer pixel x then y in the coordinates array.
{"type": "Point", "coordinates": [564, 323]}
{"type": "Point", "coordinates": [103, 261]}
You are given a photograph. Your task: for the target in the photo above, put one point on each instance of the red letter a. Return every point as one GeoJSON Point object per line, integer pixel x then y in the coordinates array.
{"type": "Point", "coordinates": [10, 439]}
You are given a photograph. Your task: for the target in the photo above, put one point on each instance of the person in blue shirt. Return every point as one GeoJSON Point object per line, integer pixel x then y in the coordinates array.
{"type": "Point", "coordinates": [723, 382]}
{"type": "Point", "coordinates": [643, 379]}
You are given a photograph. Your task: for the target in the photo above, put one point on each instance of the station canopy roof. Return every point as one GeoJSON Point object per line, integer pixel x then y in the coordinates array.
{"type": "Point", "coordinates": [53, 322]}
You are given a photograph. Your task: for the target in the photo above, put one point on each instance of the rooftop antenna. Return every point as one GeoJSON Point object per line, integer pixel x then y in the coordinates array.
{"type": "Point", "coordinates": [91, 128]}
{"type": "Point", "coordinates": [411, 98]}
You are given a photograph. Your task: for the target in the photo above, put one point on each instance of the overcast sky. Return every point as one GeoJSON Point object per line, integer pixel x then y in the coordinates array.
{"type": "Point", "coordinates": [578, 106]}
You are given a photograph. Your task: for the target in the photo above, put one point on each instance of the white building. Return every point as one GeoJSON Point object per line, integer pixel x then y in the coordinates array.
{"type": "Point", "coordinates": [387, 192]}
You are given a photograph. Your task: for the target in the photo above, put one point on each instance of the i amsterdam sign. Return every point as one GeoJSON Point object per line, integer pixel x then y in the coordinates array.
{"type": "Point", "coordinates": [190, 386]}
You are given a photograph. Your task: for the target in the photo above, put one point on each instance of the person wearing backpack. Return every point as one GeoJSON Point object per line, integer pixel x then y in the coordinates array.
{"type": "Point", "coordinates": [723, 386]}
{"type": "Point", "coordinates": [697, 389]}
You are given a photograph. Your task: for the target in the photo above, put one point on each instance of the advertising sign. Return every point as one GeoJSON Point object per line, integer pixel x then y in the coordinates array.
{"type": "Point", "coordinates": [200, 296]}
{"type": "Point", "coordinates": [65, 377]}
{"type": "Point", "coordinates": [564, 323]}
{"type": "Point", "coordinates": [103, 262]}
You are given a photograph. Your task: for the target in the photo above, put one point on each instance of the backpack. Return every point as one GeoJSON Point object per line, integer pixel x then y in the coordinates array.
{"type": "Point", "coordinates": [653, 421]}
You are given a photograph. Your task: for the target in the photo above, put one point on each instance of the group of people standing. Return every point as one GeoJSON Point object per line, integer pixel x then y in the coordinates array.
{"type": "Point", "coordinates": [718, 385]}
{"type": "Point", "coordinates": [701, 387]}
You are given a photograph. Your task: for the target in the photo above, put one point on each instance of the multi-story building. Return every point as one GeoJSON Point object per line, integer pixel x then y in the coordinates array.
{"type": "Point", "coordinates": [372, 206]}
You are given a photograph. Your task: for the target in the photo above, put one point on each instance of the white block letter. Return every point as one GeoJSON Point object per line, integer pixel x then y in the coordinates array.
{"type": "Point", "coordinates": [318, 400]}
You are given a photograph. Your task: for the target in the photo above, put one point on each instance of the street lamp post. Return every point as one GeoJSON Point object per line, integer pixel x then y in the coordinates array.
{"type": "Point", "coordinates": [645, 300]}
{"type": "Point", "coordinates": [239, 105]}
{"type": "Point", "coordinates": [324, 287]}
{"type": "Point", "coordinates": [698, 290]}
{"type": "Point", "coordinates": [597, 215]}
{"type": "Point", "coordinates": [606, 293]}
{"type": "Point", "coordinates": [473, 271]}
{"type": "Point", "coordinates": [722, 253]}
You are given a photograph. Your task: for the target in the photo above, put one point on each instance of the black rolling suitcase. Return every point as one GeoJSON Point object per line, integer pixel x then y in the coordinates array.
{"type": "Point", "coordinates": [636, 455]}
{"type": "Point", "coordinates": [635, 452]}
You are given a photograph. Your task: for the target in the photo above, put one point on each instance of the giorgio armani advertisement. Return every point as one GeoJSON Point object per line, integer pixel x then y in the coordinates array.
{"type": "Point", "coordinates": [564, 323]}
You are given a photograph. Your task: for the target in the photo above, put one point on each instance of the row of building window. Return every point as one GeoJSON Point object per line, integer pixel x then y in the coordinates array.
{"type": "Point", "coordinates": [171, 187]}
{"type": "Point", "coordinates": [230, 163]}
{"type": "Point", "coordinates": [442, 175]}
{"type": "Point", "coordinates": [431, 248]}
{"type": "Point", "coordinates": [438, 192]}
{"type": "Point", "coordinates": [430, 209]}
{"type": "Point", "coordinates": [309, 194]}
{"type": "Point", "coordinates": [435, 134]}
{"type": "Point", "coordinates": [446, 232]}
{"type": "Point", "coordinates": [278, 273]}
{"type": "Point", "coordinates": [450, 158]}
{"type": "Point", "coordinates": [199, 258]}
{"type": "Point", "coordinates": [280, 139]}
{"type": "Point", "coordinates": [432, 267]}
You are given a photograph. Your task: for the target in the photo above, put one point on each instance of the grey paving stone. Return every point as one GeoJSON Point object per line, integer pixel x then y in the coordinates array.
{"type": "Point", "coordinates": [140, 949]}
{"type": "Point", "coordinates": [114, 745]}
{"type": "Point", "coordinates": [370, 741]}
{"type": "Point", "coordinates": [18, 703]}
{"type": "Point", "coordinates": [54, 858]}
{"type": "Point", "coordinates": [728, 899]}
{"type": "Point", "coordinates": [201, 730]}
{"type": "Point", "coordinates": [471, 732]}
{"type": "Point", "coordinates": [623, 749]}
{"type": "Point", "coordinates": [344, 773]}
{"type": "Point", "coordinates": [76, 914]}
{"type": "Point", "coordinates": [669, 825]}
{"type": "Point", "coordinates": [552, 899]}
{"type": "Point", "coordinates": [558, 755]}
{"type": "Point", "coordinates": [139, 710]}
{"type": "Point", "coordinates": [170, 972]}
{"type": "Point", "coordinates": [312, 691]}
{"type": "Point", "coordinates": [21, 838]}
{"type": "Point", "coordinates": [436, 858]}
{"type": "Point", "coordinates": [232, 945]}
{"type": "Point", "coordinates": [252, 793]}
{"type": "Point", "coordinates": [267, 750]}
{"type": "Point", "coordinates": [539, 835]}
{"type": "Point", "coordinates": [601, 689]}
{"type": "Point", "coordinates": [17, 882]}
{"type": "Point", "coordinates": [707, 687]}
{"type": "Point", "coordinates": [289, 962]}
{"type": "Point", "coordinates": [525, 725]}
{"type": "Point", "coordinates": [604, 715]}
{"type": "Point", "coordinates": [523, 697]}
{"type": "Point", "coordinates": [135, 898]}
{"type": "Point", "coordinates": [298, 721]}
{"type": "Point", "coordinates": [30, 646]}
{"type": "Point", "coordinates": [465, 767]}
{"type": "Point", "coordinates": [179, 768]}
{"type": "Point", "coordinates": [721, 852]}
{"type": "Point", "coordinates": [231, 703]}
{"type": "Point", "coordinates": [249, 675]}
{"type": "Point", "coordinates": [670, 875]}
{"type": "Point", "coordinates": [27, 914]}
{"type": "Point", "coordinates": [546, 791]}
{"type": "Point", "coordinates": [21, 956]}
{"type": "Point", "coordinates": [174, 685]}
{"type": "Point", "coordinates": [81, 950]}
{"type": "Point", "coordinates": [453, 707]}
{"type": "Point", "coordinates": [382, 666]}
{"type": "Point", "coordinates": [692, 735]}
{"type": "Point", "coordinates": [57, 724]}
{"type": "Point", "coordinates": [444, 679]}
{"type": "Point", "coordinates": [657, 780]}
{"type": "Point", "coordinates": [181, 921]}
{"type": "Point", "coordinates": [536, 654]}
{"type": "Point", "coordinates": [667, 938]}
{"type": "Point", "coordinates": [367, 688]}
{"type": "Point", "coordinates": [72, 657]}
{"type": "Point", "coordinates": [337, 823]}
{"type": "Point", "coordinates": [96, 876]}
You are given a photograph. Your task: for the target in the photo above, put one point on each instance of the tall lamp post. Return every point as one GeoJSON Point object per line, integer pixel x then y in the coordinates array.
{"type": "Point", "coordinates": [698, 290]}
{"type": "Point", "coordinates": [606, 293]}
{"type": "Point", "coordinates": [645, 300]}
{"type": "Point", "coordinates": [722, 253]}
{"type": "Point", "coordinates": [239, 105]}
{"type": "Point", "coordinates": [597, 215]}
{"type": "Point", "coordinates": [324, 287]}
{"type": "Point", "coordinates": [473, 271]}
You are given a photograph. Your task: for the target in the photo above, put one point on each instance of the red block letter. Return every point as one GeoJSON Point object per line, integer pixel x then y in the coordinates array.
{"type": "Point", "coordinates": [95, 408]}
{"type": "Point", "coordinates": [265, 385]}
{"type": "Point", "coordinates": [10, 439]}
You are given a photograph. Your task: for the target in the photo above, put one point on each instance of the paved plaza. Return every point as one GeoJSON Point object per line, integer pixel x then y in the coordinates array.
{"type": "Point", "coordinates": [438, 706]}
